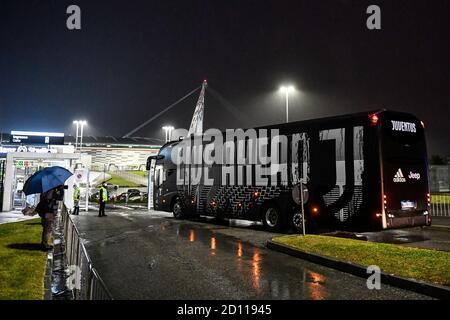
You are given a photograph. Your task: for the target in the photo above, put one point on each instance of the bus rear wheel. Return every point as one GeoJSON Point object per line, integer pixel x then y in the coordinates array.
{"type": "Point", "coordinates": [272, 218]}
{"type": "Point", "coordinates": [297, 221]}
{"type": "Point", "coordinates": [177, 209]}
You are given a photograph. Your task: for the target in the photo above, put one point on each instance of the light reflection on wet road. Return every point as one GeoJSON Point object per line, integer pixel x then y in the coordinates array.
{"type": "Point", "coordinates": [250, 262]}
{"type": "Point", "coordinates": [145, 256]}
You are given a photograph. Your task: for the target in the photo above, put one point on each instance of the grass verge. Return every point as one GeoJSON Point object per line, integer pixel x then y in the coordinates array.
{"type": "Point", "coordinates": [442, 198]}
{"type": "Point", "coordinates": [421, 264]}
{"type": "Point", "coordinates": [22, 263]}
{"type": "Point", "coordinates": [139, 173]}
{"type": "Point", "coordinates": [115, 179]}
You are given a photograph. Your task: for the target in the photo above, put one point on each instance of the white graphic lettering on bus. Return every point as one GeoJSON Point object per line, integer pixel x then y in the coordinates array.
{"type": "Point", "coordinates": [403, 126]}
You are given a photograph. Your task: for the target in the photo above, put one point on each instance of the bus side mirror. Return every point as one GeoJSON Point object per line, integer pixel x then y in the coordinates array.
{"type": "Point", "coordinates": [149, 160]}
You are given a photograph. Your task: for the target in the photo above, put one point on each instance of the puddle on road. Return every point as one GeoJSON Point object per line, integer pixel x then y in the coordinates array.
{"type": "Point", "coordinates": [126, 216]}
{"type": "Point", "coordinates": [396, 236]}
{"type": "Point", "coordinates": [268, 277]}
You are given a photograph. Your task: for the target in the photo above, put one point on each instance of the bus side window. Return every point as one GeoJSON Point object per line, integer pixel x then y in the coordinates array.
{"type": "Point", "coordinates": [169, 172]}
{"type": "Point", "coordinates": [159, 175]}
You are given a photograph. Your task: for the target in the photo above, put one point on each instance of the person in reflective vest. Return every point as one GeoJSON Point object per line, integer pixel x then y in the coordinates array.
{"type": "Point", "coordinates": [102, 198]}
{"type": "Point", "coordinates": [76, 199]}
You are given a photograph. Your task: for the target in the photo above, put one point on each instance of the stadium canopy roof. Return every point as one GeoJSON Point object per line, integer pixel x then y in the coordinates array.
{"type": "Point", "coordinates": [108, 140]}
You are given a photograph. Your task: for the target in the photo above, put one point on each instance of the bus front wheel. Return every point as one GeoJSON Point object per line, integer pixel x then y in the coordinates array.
{"type": "Point", "coordinates": [272, 218]}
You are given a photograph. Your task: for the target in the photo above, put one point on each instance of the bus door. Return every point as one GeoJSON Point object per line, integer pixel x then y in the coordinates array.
{"type": "Point", "coordinates": [157, 185]}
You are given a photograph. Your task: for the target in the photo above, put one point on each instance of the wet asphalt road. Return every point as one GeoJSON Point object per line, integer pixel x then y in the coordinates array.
{"type": "Point", "coordinates": [142, 255]}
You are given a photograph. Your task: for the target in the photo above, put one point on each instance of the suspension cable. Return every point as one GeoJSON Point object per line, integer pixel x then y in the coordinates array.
{"type": "Point", "coordinates": [238, 114]}
{"type": "Point", "coordinates": [160, 113]}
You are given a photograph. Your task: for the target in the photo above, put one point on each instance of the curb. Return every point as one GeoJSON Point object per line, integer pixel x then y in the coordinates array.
{"type": "Point", "coordinates": [48, 277]}
{"type": "Point", "coordinates": [439, 227]}
{"type": "Point", "coordinates": [432, 290]}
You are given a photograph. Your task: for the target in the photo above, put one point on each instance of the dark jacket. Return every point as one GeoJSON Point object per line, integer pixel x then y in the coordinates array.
{"type": "Point", "coordinates": [49, 201]}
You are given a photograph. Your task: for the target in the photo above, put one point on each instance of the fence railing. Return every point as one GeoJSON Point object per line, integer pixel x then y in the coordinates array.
{"type": "Point", "coordinates": [2, 174]}
{"type": "Point", "coordinates": [83, 278]}
{"type": "Point", "coordinates": [440, 205]}
{"type": "Point", "coordinates": [439, 179]}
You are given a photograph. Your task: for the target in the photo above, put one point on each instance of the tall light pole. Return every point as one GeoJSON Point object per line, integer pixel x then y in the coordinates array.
{"type": "Point", "coordinates": [79, 134]}
{"type": "Point", "coordinates": [168, 132]}
{"type": "Point", "coordinates": [286, 90]}
{"type": "Point", "coordinates": [76, 122]}
{"type": "Point", "coordinates": [82, 123]}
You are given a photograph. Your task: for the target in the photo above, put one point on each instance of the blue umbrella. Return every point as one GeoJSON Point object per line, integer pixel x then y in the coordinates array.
{"type": "Point", "coordinates": [46, 179]}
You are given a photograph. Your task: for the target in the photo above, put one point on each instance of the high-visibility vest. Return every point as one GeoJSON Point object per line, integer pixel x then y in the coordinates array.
{"type": "Point", "coordinates": [103, 194]}
{"type": "Point", "coordinates": [76, 194]}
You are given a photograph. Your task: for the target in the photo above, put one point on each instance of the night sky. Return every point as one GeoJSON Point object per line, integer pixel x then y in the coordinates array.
{"type": "Point", "coordinates": [133, 58]}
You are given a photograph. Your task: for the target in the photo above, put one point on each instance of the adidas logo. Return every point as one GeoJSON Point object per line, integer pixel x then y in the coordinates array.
{"type": "Point", "coordinates": [399, 177]}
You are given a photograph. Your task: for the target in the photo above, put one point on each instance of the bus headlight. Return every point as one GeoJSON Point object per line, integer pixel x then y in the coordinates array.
{"type": "Point", "coordinates": [425, 213]}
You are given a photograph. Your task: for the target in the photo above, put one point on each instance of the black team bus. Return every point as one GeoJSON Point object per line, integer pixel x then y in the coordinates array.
{"type": "Point", "coordinates": [363, 171]}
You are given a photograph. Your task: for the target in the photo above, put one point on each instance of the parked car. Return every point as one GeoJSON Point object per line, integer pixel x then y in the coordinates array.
{"type": "Point", "coordinates": [111, 188]}
{"type": "Point", "coordinates": [132, 193]}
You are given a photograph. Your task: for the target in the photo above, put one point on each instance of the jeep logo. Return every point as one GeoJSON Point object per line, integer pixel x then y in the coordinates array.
{"type": "Point", "coordinates": [413, 175]}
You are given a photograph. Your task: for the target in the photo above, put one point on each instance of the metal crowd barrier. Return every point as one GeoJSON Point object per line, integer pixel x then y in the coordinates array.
{"type": "Point", "coordinates": [440, 205]}
{"type": "Point", "coordinates": [85, 280]}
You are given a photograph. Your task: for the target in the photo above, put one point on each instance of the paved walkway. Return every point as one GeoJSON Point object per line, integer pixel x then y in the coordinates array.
{"type": "Point", "coordinates": [436, 237]}
{"type": "Point", "coordinates": [441, 222]}
{"type": "Point", "coordinates": [14, 216]}
{"type": "Point", "coordinates": [17, 215]}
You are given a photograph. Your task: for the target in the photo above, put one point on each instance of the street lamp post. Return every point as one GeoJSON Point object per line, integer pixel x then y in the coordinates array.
{"type": "Point", "coordinates": [286, 90]}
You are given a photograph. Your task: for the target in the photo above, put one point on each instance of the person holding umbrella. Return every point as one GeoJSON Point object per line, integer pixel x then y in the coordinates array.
{"type": "Point", "coordinates": [48, 210]}
{"type": "Point", "coordinates": [49, 182]}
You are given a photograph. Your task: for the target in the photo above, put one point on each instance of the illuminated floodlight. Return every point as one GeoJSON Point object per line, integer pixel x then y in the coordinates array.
{"type": "Point", "coordinates": [168, 132]}
{"type": "Point", "coordinates": [286, 90]}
